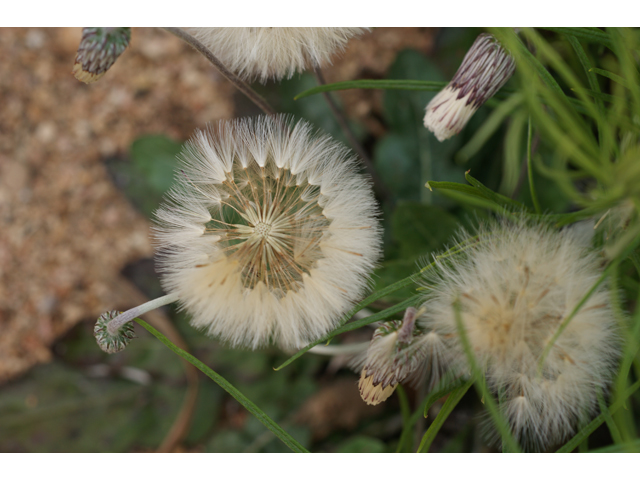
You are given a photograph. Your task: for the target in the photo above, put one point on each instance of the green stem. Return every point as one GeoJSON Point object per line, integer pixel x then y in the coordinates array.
{"type": "Point", "coordinates": [287, 439]}
{"type": "Point", "coordinates": [532, 188]}
{"type": "Point", "coordinates": [452, 400]}
{"type": "Point", "coordinates": [508, 442]}
{"type": "Point", "coordinates": [237, 82]}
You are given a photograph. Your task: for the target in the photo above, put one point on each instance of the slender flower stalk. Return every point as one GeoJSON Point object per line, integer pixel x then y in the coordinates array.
{"type": "Point", "coordinates": [114, 330]}
{"type": "Point", "coordinates": [250, 93]}
{"type": "Point", "coordinates": [485, 69]}
{"type": "Point", "coordinates": [115, 324]}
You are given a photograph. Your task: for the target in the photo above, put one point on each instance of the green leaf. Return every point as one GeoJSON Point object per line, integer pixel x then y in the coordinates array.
{"type": "Point", "coordinates": [361, 444]}
{"type": "Point", "coordinates": [489, 127]}
{"type": "Point", "coordinates": [416, 85]}
{"type": "Point", "coordinates": [149, 173]}
{"type": "Point", "coordinates": [421, 229]}
{"type": "Point", "coordinates": [611, 76]}
{"type": "Point", "coordinates": [596, 422]}
{"type": "Point", "coordinates": [454, 398]}
{"type": "Point", "coordinates": [591, 35]}
{"type": "Point", "coordinates": [493, 196]}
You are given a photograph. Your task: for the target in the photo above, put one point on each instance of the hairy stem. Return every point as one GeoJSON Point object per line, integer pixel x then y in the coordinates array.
{"type": "Point", "coordinates": [114, 325]}
{"type": "Point", "coordinates": [251, 94]}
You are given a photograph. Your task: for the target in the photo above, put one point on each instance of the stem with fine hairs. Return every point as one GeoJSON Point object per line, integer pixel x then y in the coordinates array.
{"type": "Point", "coordinates": [251, 94]}
{"type": "Point", "coordinates": [355, 144]}
{"type": "Point", "coordinates": [114, 325]}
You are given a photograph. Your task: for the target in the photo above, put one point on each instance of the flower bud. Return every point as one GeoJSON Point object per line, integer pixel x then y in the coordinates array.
{"type": "Point", "coordinates": [485, 69]}
{"type": "Point", "coordinates": [393, 355]}
{"type": "Point", "coordinates": [98, 50]}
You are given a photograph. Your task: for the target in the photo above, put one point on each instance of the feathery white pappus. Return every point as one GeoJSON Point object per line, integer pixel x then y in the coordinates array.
{"type": "Point", "coordinates": [270, 233]}
{"type": "Point", "coordinates": [485, 69]}
{"type": "Point", "coordinates": [515, 285]}
{"type": "Point", "coordinates": [265, 53]}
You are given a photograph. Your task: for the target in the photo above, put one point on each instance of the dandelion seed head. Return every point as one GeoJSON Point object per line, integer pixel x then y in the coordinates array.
{"type": "Point", "coordinates": [270, 234]}
{"type": "Point", "coordinates": [265, 53]}
{"type": "Point", "coordinates": [515, 285]}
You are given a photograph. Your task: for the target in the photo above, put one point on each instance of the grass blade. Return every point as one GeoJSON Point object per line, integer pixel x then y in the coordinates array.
{"type": "Point", "coordinates": [532, 189]}
{"type": "Point", "coordinates": [420, 85]}
{"type": "Point", "coordinates": [590, 35]}
{"type": "Point", "coordinates": [596, 422]}
{"type": "Point", "coordinates": [454, 398]}
{"type": "Point", "coordinates": [287, 439]}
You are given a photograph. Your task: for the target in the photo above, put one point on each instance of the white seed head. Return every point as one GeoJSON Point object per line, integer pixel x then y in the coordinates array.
{"type": "Point", "coordinates": [265, 53]}
{"type": "Point", "coordinates": [515, 286]}
{"type": "Point", "coordinates": [270, 233]}
{"type": "Point", "coordinates": [485, 69]}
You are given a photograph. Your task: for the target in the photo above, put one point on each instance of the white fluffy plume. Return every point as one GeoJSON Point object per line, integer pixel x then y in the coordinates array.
{"type": "Point", "coordinates": [515, 285]}
{"type": "Point", "coordinates": [265, 53]}
{"type": "Point", "coordinates": [270, 233]}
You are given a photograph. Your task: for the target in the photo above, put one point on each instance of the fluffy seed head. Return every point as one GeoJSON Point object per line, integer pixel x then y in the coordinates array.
{"type": "Point", "coordinates": [485, 69]}
{"type": "Point", "coordinates": [515, 285]}
{"type": "Point", "coordinates": [269, 234]}
{"type": "Point", "coordinates": [265, 53]}
{"type": "Point", "coordinates": [99, 49]}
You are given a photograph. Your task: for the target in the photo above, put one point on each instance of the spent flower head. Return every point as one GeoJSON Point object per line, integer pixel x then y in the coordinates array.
{"type": "Point", "coordinates": [515, 285]}
{"type": "Point", "coordinates": [396, 353]}
{"type": "Point", "coordinates": [270, 233]}
{"type": "Point", "coordinates": [112, 342]}
{"type": "Point", "coordinates": [99, 49]}
{"type": "Point", "coordinates": [265, 53]}
{"type": "Point", "coordinates": [485, 69]}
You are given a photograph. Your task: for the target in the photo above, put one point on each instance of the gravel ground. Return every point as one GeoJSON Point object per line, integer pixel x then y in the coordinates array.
{"type": "Point", "coordinates": [66, 231]}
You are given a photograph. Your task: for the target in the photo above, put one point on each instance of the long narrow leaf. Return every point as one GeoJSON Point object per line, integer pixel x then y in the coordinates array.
{"type": "Point", "coordinates": [287, 439]}
{"type": "Point", "coordinates": [419, 85]}
{"type": "Point", "coordinates": [454, 398]}
{"type": "Point", "coordinates": [591, 35]}
{"type": "Point", "coordinates": [596, 422]}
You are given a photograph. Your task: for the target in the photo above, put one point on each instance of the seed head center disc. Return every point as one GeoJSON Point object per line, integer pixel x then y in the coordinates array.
{"type": "Point", "coordinates": [262, 229]}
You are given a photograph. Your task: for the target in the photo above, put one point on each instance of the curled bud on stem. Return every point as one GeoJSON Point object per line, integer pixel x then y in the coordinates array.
{"type": "Point", "coordinates": [98, 50]}
{"type": "Point", "coordinates": [485, 69]}
{"type": "Point", "coordinates": [114, 330]}
{"type": "Point", "coordinates": [394, 355]}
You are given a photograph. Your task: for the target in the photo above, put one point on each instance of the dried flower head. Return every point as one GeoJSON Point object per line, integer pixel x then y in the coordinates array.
{"type": "Point", "coordinates": [98, 50]}
{"type": "Point", "coordinates": [515, 285]}
{"type": "Point", "coordinates": [396, 353]}
{"type": "Point", "coordinates": [485, 69]}
{"type": "Point", "coordinates": [267, 52]}
{"type": "Point", "coordinates": [269, 234]}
